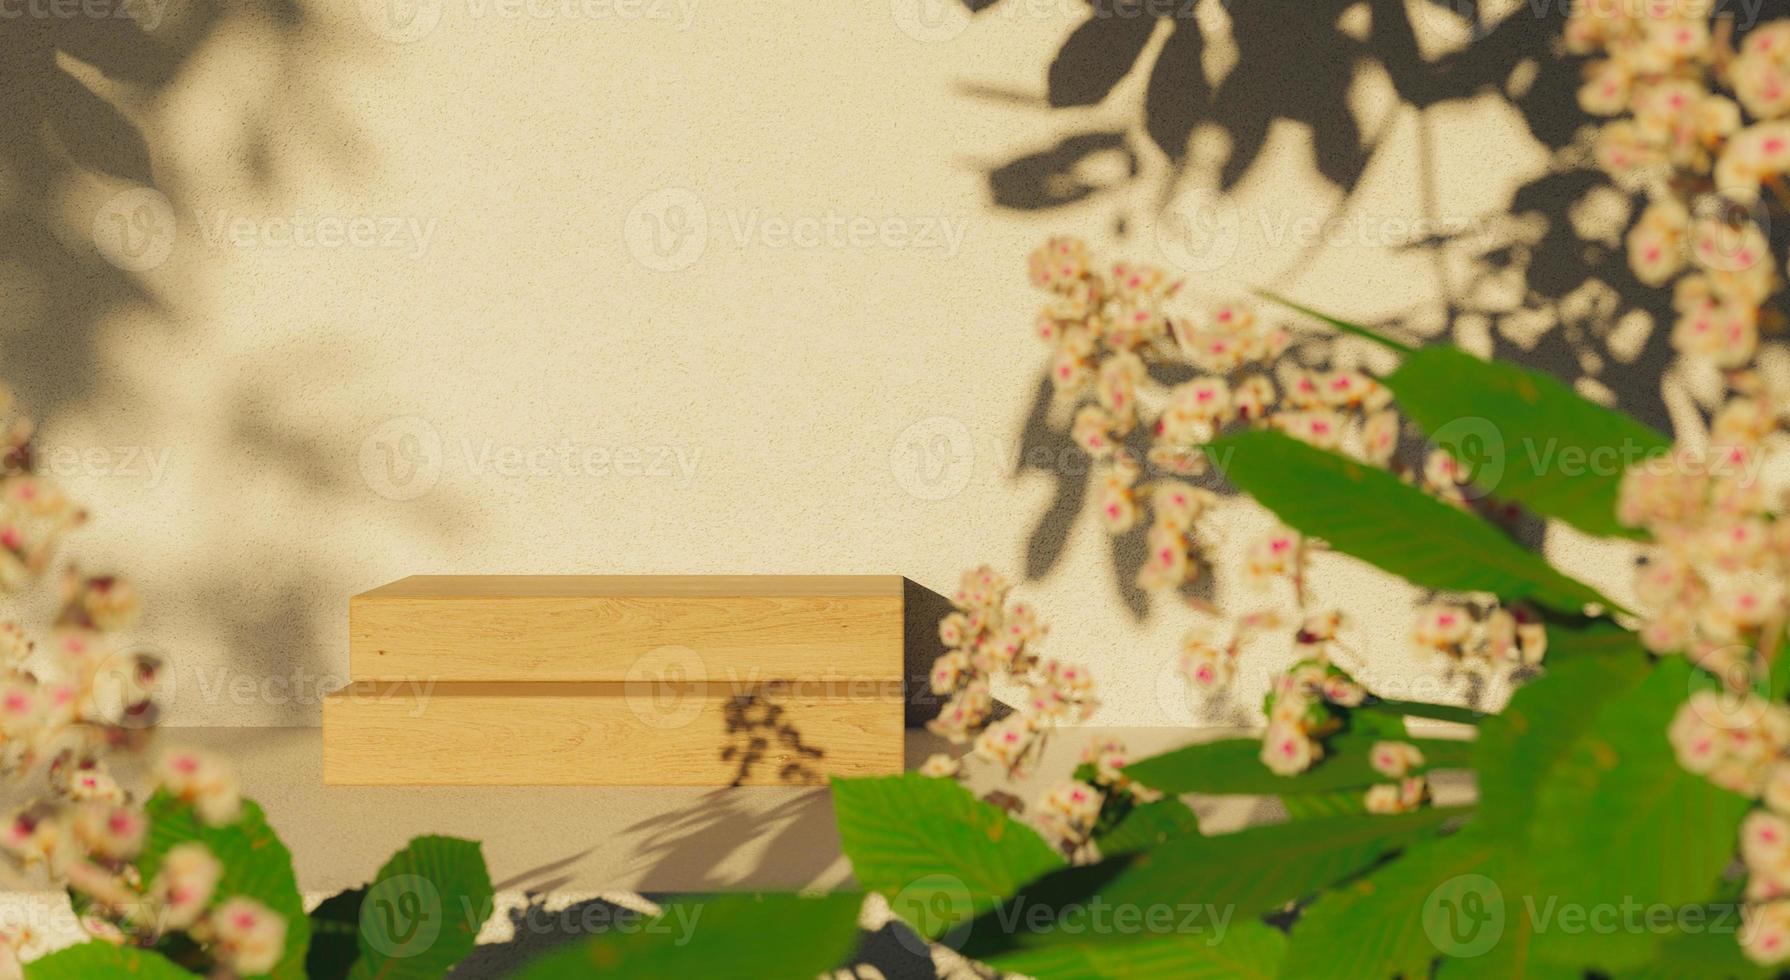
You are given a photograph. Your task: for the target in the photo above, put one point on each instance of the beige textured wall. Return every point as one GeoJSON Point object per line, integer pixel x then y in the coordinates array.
{"type": "Point", "coordinates": [822, 363]}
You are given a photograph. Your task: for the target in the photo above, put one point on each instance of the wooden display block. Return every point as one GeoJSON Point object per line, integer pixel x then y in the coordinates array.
{"type": "Point", "coordinates": [623, 680]}
{"type": "Point", "coordinates": [602, 734]}
{"type": "Point", "coordinates": [742, 628]}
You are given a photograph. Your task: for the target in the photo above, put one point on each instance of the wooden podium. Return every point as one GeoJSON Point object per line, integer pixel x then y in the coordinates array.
{"type": "Point", "coordinates": [619, 681]}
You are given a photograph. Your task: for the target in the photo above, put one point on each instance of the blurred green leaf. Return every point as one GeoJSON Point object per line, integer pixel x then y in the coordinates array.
{"type": "Point", "coordinates": [773, 937]}
{"type": "Point", "coordinates": [256, 865]}
{"type": "Point", "coordinates": [1618, 822]}
{"type": "Point", "coordinates": [1367, 512]}
{"type": "Point", "coordinates": [1246, 950]}
{"type": "Point", "coordinates": [422, 914]}
{"type": "Point", "coordinates": [940, 854]}
{"type": "Point", "coordinates": [1148, 826]}
{"type": "Point", "coordinates": [1234, 765]}
{"type": "Point", "coordinates": [93, 959]}
{"type": "Point", "coordinates": [1525, 436]}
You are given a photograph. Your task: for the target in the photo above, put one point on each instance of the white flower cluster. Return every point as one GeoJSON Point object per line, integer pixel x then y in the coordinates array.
{"type": "Point", "coordinates": [1395, 760]}
{"type": "Point", "coordinates": [984, 637]}
{"type": "Point", "coordinates": [1713, 586]}
{"type": "Point", "coordinates": [1107, 332]}
{"type": "Point", "coordinates": [1481, 640]}
{"type": "Point", "coordinates": [1703, 129]}
{"type": "Point", "coordinates": [1099, 796]}
{"type": "Point", "coordinates": [1303, 708]}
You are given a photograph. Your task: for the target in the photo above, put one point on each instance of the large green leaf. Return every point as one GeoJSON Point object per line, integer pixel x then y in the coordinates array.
{"type": "Point", "coordinates": [256, 865]}
{"type": "Point", "coordinates": [1247, 950]}
{"type": "Point", "coordinates": [1524, 436]}
{"type": "Point", "coordinates": [335, 935]}
{"type": "Point", "coordinates": [89, 960]}
{"type": "Point", "coordinates": [774, 937]}
{"type": "Point", "coordinates": [940, 854]}
{"type": "Point", "coordinates": [1234, 766]}
{"type": "Point", "coordinates": [1544, 720]}
{"type": "Point", "coordinates": [1703, 942]}
{"type": "Point", "coordinates": [1148, 826]}
{"type": "Point", "coordinates": [422, 913]}
{"type": "Point", "coordinates": [1230, 877]}
{"type": "Point", "coordinates": [1367, 512]}
{"type": "Point", "coordinates": [1619, 821]}
{"type": "Point", "coordinates": [1314, 806]}
{"type": "Point", "coordinates": [1397, 921]}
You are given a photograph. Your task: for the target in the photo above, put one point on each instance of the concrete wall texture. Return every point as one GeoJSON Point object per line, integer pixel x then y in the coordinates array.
{"type": "Point", "coordinates": [677, 286]}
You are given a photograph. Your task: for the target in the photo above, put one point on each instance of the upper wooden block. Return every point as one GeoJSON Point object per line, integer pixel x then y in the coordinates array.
{"type": "Point", "coordinates": [737, 629]}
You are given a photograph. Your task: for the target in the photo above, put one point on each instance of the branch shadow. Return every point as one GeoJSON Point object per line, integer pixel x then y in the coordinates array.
{"type": "Point", "coordinates": [1525, 284]}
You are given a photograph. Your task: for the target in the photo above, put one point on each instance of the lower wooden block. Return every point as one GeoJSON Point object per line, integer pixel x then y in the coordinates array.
{"type": "Point", "coordinates": [404, 733]}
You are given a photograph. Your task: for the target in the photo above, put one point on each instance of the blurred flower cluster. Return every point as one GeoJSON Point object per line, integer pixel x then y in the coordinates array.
{"type": "Point", "coordinates": [1148, 389]}
{"type": "Point", "coordinates": [985, 637]}
{"type": "Point", "coordinates": [1480, 640]}
{"type": "Point", "coordinates": [1395, 760]}
{"type": "Point", "coordinates": [76, 699]}
{"type": "Point", "coordinates": [1700, 126]}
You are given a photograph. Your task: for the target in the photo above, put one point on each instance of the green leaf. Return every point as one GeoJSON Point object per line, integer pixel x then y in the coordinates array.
{"type": "Point", "coordinates": [1704, 942]}
{"type": "Point", "coordinates": [940, 854]}
{"type": "Point", "coordinates": [1387, 923]}
{"type": "Point", "coordinates": [1231, 876]}
{"type": "Point", "coordinates": [256, 865]}
{"type": "Point", "coordinates": [1620, 821]}
{"type": "Point", "coordinates": [422, 913]}
{"type": "Point", "coordinates": [1148, 826]}
{"type": "Point", "coordinates": [1544, 720]}
{"type": "Point", "coordinates": [1367, 512]}
{"type": "Point", "coordinates": [89, 960]}
{"type": "Point", "coordinates": [335, 935]}
{"type": "Point", "coordinates": [1234, 766]}
{"type": "Point", "coordinates": [1247, 950]}
{"type": "Point", "coordinates": [1313, 806]}
{"type": "Point", "coordinates": [775, 937]}
{"type": "Point", "coordinates": [1345, 326]}
{"type": "Point", "coordinates": [1525, 436]}
{"type": "Point", "coordinates": [1423, 709]}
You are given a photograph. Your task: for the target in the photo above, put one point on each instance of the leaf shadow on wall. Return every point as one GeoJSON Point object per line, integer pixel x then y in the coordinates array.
{"type": "Point", "coordinates": [87, 195]}
{"type": "Point", "coordinates": [1548, 292]}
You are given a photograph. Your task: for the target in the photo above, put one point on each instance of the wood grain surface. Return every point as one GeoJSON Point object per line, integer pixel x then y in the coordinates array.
{"type": "Point", "coordinates": [736, 629]}
{"type": "Point", "coordinates": [609, 734]}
